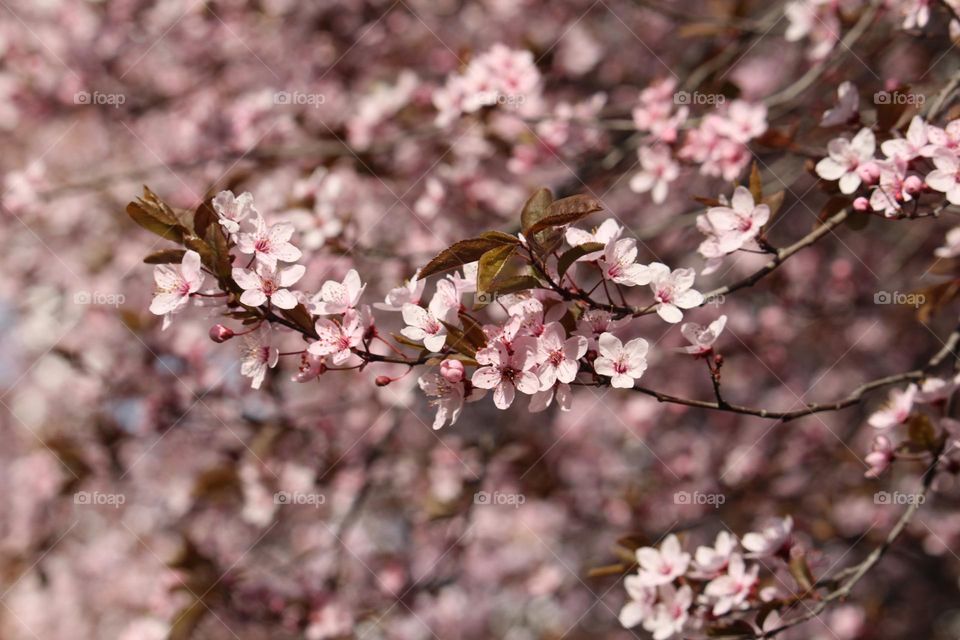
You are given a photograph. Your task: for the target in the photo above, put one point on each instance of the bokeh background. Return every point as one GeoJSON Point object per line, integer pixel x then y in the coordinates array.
{"type": "Point", "coordinates": [138, 471]}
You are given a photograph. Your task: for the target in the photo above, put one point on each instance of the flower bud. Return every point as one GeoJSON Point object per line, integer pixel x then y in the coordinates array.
{"type": "Point", "coordinates": [869, 172]}
{"type": "Point", "coordinates": [861, 204]}
{"type": "Point", "coordinates": [220, 333]}
{"type": "Point", "coordinates": [452, 371]}
{"type": "Point", "coordinates": [913, 185]}
{"type": "Point", "coordinates": [383, 381]}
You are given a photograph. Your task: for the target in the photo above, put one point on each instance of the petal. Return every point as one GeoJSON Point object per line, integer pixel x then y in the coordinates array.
{"type": "Point", "coordinates": [689, 299]}
{"type": "Point", "coordinates": [254, 298]}
{"type": "Point", "coordinates": [670, 313]}
{"type": "Point", "coordinates": [503, 395]}
{"type": "Point", "coordinates": [284, 299]}
{"type": "Point", "coordinates": [742, 200]}
{"type": "Point", "coordinates": [245, 278]}
{"type": "Point", "coordinates": [486, 377]}
{"type": "Point", "coordinates": [849, 182]}
{"type": "Point", "coordinates": [291, 275]}
{"type": "Point", "coordinates": [610, 345]}
{"type": "Point", "coordinates": [604, 367]}
{"type": "Point", "coordinates": [830, 169]}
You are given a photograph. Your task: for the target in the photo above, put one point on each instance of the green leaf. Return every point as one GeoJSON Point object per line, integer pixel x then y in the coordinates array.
{"type": "Point", "coordinates": [492, 264]}
{"type": "Point", "coordinates": [571, 256]}
{"type": "Point", "coordinates": [566, 211]}
{"type": "Point", "coordinates": [167, 256]}
{"type": "Point", "coordinates": [466, 251]}
{"type": "Point", "coordinates": [535, 209]}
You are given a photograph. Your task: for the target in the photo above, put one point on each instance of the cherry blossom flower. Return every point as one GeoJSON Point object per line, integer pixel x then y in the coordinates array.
{"type": "Point", "coordinates": [336, 297]}
{"type": "Point", "coordinates": [729, 591]}
{"type": "Point", "coordinates": [658, 170]}
{"type": "Point", "coordinates": [773, 539]}
{"type": "Point", "coordinates": [664, 565]}
{"type": "Point", "coordinates": [232, 210]}
{"type": "Point", "coordinates": [848, 104]}
{"type": "Point", "coordinates": [268, 284]}
{"type": "Point", "coordinates": [619, 263]}
{"type": "Point", "coordinates": [258, 356]}
{"type": "Point", "coordinates": [880, 457]}
{"type": "Point", "coordinates": [896, 410]}
{"type": "Point", "coordinates": [743, 121]}
{"type": "Point", "coordinates": [952, 248]}
{"type": "Point", "coordinates": [672, 290]}
{"type": "Point", "coordinates": [175, 286]}
{"type": "Point", "coordinates": [946, 177]}
{"type": "Point", "coordinates": [846, 160]}
{"type": "Point", "coordinates": [426, 325]}
{"type": "Point", "coordinates": [909, 147]}
{"type": "Point", "coordinates": [337, 340]}
{"type": "Point", "coordinates": [702, 338]}
{"type": "Point", "coordinates": [936, 389]}
{"type": "Point", "coordinates": [710, 561]}
{"type": "Point", "coordinates": [608, 230]}
{"type": "Point", "coordinates": [445, 395]}
{"type": "Point", "coordinates": [623, 363]}
{"type": "Point", "coordinates": [507, 372]}
{"type": "Point", "coordinates": [533, 318]}
{"type": "Point", "coordinates": [269, 243]}
{"type": "Point", "coordinates": [641, 603]}
{"type": "Point", "coordinates": [595, 322]}
{"type": "Point", "coordinates": [737, 224]}
{"type": "Point", "coordinates": [558, 356]}
{"type": "Point", "coordinates": [671, 614]}
{"type": "Point", "coordinates": [409, 293]}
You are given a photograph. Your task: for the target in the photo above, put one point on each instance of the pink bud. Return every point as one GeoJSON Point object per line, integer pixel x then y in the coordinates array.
{"type": "Point", "coordinates": [869, 172]}
{"type": "Point", "coordinates": [220, 333]}
{"type": "Point", "coordinates": [452, 371]}
{"type": "Point", "coordinates": [861, 204]}
{"type": "Point", "coordinates": [913, 185]}
{"type": "Point", "coordinates": [383, 381]}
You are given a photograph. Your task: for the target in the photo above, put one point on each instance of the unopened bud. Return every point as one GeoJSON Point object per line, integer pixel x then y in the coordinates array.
{"type": "Point", "coordinates": [220, 333]}
{"type": "Point", "coordinates": [869, 172]}
{"type": "Point", "coordinates": [383, 381]}
{"type": "Point", "coordinates": [913, 185]}
{"type": "Point", "coordinates": [861, 204]}
{"type": "Point", "coordinates": [452, 371]}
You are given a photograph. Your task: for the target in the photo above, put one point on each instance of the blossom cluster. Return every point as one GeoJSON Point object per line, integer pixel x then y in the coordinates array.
{"type": "Point", "coordinates": [674, 593]}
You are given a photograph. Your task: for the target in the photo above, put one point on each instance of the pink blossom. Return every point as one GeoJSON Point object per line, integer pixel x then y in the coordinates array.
{"type": "Point", "coordinates": [337, 340]}
{"type": "Point", "coordinates": [623, 363]}
{"type": "Point", "coordinates": [426, 325]}
{"type": "Point", "coordinates": [258, 356]}
{"type": "Point", "coordinates": [452, 371]}
{"type": "Point", "coordinates": [710, 561]}
{"type": "Point", "coordinates": [672, 290]}
{"type": "Point", "coordinates": [880, 456]}
{"type": "Point", "coordinates": [409, 293]}
{"type": "Point", "coordinates": [641, 602]}
{"type": "Point", "coordinates": [175, 286]}
{"type": "Point", "coordinates": [730, 591]}
{"type": "Point", "coordinates": [771, 540]}
{"type": "Point", "coordinates": [445, 395]}
{"type": "Point", "coordinates": [595, 322]}
{"type": "Point", "coordinates": [269, 243]}
{"type": "Point", "coordinates": [909, 147]}
{"type": "Point", "coordinates": [336, 297]}
{"type": "Point", "coordinates": [946, 177]}
{"type": "Point", "coordinates": [848, 104]}
{"type": "Point", "coordinates": [896, 410]}
{"type": "Point", "coordinates": [619, 263]}
{"type": "Point", "coordinates": [671, 614]}
{"type": "Point", "coordinates": [658, 170]}
{"type": "Point", "coordinates": [232, 210]}
{"type": "Point", "coordinates": [732, 227]}
{"type": "Point", "coordinates": [507, 372]}
{"type": "Point", "coordinates": [846, 158]}
{"type": "Point", "coordinates": [702, 338]}
{"type": "Point", "coordinates": [664, 565]}
{"type": "Point", "coordinates": [268, 284]}
{"type": "Point", "coordinates": [558, 356]}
